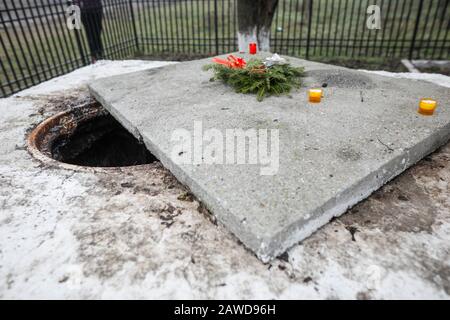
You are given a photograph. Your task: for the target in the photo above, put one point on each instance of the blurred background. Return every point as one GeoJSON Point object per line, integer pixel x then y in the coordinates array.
{"type": "Point", "coordinates": [36, 44]}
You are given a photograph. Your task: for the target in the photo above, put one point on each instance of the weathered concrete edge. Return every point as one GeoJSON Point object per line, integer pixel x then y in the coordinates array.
{"type": "Point", "coordinates": [222, 214]}
{"type": "Point", "coordinates": [361, 190]}
{"type": "Point", "coordinates": [269, 248]}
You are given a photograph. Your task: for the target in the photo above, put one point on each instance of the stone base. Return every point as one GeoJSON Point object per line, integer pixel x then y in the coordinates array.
{"type": "Point", "coordinates": [332, 155]}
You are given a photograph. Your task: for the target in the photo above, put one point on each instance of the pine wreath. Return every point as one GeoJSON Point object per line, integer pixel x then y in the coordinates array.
{"type": "Point", "coordinates": [274, 76]}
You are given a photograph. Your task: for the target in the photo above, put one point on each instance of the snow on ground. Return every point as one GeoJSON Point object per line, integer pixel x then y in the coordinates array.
{"type": "Point", "coordinates": [435, 78]}
{"type": "Point", "coordinates": [101, 69]}
{"type": "Point", "coordinates": [128, 234]}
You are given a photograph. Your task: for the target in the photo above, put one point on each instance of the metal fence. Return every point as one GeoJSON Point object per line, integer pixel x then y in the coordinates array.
{"type": "Point", "coordinates": [36, 45]}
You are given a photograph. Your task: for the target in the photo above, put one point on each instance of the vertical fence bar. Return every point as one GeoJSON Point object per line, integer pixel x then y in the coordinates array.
{"type": "Point", "coordinates": [155, 31]}
{"type": "Point", "coordinates": [399, 27]}
{"type": "Point", "coordinates": [322, 37]}
{"type": "Point", "coordinates": [37, 25]}
{"type": "Point", "coordinates": [216, 27]}
{"type": "Point", "coordinates": [8, 81]}
{"type": "Point", "coordinates": [132, 39]}
{"type": "Point", "coordinates": [121, 31]}
{"type": "Point", "coordinates": [13, 71]}
{"type": "Point", "coordinates": [442, 26]}
{"type": "Point", "coordinates": [192, 8]}
{"type": "Point", "coordinates": [122, 40]}
{"type": "Point", "coordinates": [336, 26]}
{"type": "Point", "coordinates": [208, 8]}
{"type": "Point", "coordinates": [385, 23]}
{"type": "Point", "coordinates": [182, 27]}
{"type": "Point", "coordinates": [116, 47]}
{"type": "Point", "coordinates": [80, 47]}
{"type": "Point", "coordinates": [316, 33]}
{"type": "Point", "coordinates": [329, 26]}
{"type": "Point", "coordinates": [140, 16]}
{"type": "Point", "coordinates": [275, 38]}
{"type": "Point", "coordinates": [347, 47]}
{"type": "Point", "coordinates": [141, 11]}
{"type": "Point", "coordinates": [394, 19]}
{"type": "Point", "coordinates": [54, 45]}
{"type": "Point", "coordinates": [405, 33]}
{"type": "Point", "coordinates": [445, 41]}
{"type": "Point", "coordinates": [108, 31]}
{"type": "Point", "coordinates": [355, 48]}
{"type": "Point", "coordinates": [194, 35]}
{"type": "Point", "coordinates": [22, 51]}
{"type": "Point", "coordinates": [133, 21]}
{"type": "Point", "coordinates": [223, 23]}
{"type": "Point", "coordinates": [360, 25]}
{"type": "Point", "coordinates": [176, 38]}
{"type": "Point", "coordinates": [32, 41]}
{"type": "Point", "coordinates": [283, 38]}
{"type": "Point", "coordinates": [341, 39]}
{"type": "Point", "coordinates": [67, 38]}
{"type": "Point", "coordinates": [55, 17]}
{"type": "Point", "coordinates": [416, 29]}
{"type": "Point", "coordinates": [187, 29]}
{"type": "Point", "coordinates": [433, 28]}
{"type": "Point", "coordinates": [288, 36]}
{"type": "Point", "coordinates": [168, 19]}
{"type": "Point", "coordinates": [367, 47]}
{"type": "Point", "coordinates": [292, 52]}
{"type": "Point", "coordinates": [308, 40]}
{"type": "Point", "coordinates": [424, 28]}
{"type": "Point", "coordinates": [234, 26]}
{"type": "Point", "coordinates": [230, 16]}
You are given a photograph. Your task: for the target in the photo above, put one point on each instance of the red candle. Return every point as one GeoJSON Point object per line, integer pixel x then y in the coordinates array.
{"type": "Point", "coordinates": [252, 48]}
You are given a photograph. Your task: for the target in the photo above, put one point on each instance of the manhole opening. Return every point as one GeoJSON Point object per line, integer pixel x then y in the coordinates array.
{"type": "Point", "coordinates": [89, 136]}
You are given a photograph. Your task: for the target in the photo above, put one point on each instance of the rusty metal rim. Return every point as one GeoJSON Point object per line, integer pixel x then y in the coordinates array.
{"type": "Point", "coordinates": [33, 147]}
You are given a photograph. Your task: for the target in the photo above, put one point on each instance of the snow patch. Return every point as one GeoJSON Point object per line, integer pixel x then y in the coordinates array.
{"type": "Point", "coordinates": [435, 78]}
{"type": "Point", "coordinates": [101, 69]}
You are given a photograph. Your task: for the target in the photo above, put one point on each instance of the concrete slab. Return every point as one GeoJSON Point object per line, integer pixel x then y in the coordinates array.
{"type": "Point", "coordinates": [131, 233]}
{"type": "Point", "coordinates": [332, 155]}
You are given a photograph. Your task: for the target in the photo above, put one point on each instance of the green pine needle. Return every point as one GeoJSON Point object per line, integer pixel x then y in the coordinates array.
{"type": "Point", "coordinates": [256, 79]}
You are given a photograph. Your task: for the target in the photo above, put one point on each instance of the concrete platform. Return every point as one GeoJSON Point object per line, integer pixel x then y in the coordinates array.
{"type": "Point", "coordinates": [132, 233]}
{"type": "Point", "coordinates": [331, 155]}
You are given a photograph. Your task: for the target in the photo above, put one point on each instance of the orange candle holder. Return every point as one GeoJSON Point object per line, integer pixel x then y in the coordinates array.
{"type": "Point", "coordinates": [252, 48]}
{"type": "Point", "coordinates": [427, 107]}
{"type": "Point", "coordinates": [315, 95]}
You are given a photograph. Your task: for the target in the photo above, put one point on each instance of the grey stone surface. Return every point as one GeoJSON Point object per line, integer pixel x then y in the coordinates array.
{"type": "Point", "coordinates": [332, 155]}
{"type": "Point", "coordinates": [131, 233]}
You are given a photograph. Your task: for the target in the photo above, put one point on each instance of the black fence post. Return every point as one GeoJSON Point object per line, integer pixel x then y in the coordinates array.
{"type": "Point", "coordinates": [80, 47]}
{"type": "Point", "coordinates": [308, 40]}
{"type": "Point", "coordinates": [136, 41]}
{"type": "Point", "coordinates": [216, 27]}
{"type": "Point", "coordinates": [416, 29]}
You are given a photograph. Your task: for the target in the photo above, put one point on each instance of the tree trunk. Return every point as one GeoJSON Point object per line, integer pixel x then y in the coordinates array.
{"type": "Point", "coordinates": [254, 20]}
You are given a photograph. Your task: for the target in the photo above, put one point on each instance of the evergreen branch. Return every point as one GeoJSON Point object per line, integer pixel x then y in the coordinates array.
{"type": "Point", "coordinates": [258, 79]}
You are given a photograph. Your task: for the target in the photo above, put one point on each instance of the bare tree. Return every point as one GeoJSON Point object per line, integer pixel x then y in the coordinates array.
{"type": "Point", "coordinates": [255, 19]}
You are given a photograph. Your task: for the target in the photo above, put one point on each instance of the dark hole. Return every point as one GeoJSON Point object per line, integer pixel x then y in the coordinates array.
{"type": "Point", "coordinates": [100, 142]}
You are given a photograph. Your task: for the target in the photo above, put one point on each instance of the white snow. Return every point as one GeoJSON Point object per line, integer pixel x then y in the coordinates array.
{"type": "Point", "coordinates": [435, 78]}
{"type": "Point", "coordinates": [101, 69]}
{"type": "Point", "coordinates": [67, 234]}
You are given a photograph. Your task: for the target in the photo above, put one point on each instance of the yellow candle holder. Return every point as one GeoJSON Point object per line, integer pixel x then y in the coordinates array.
{"type": "Point", "coordinates": [427, 107]}
{"type": "Point", "coordinates": [315, 95]}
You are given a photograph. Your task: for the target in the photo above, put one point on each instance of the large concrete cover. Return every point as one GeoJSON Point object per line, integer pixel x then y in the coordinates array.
{"type": "Point", "coordinates": [329, 157]}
